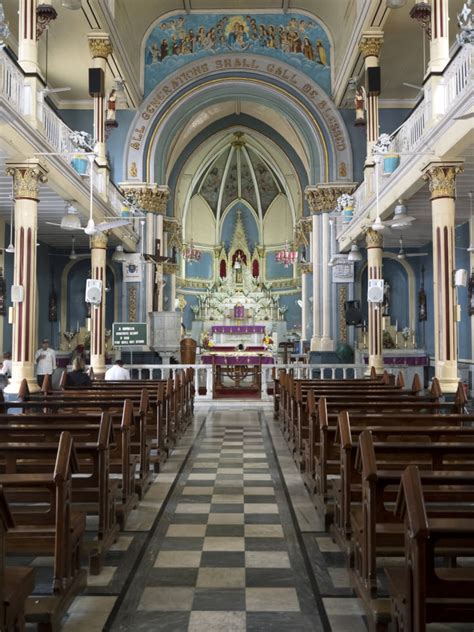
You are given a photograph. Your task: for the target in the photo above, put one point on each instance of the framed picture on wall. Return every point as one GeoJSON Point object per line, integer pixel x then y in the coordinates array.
{"type": "Point", "coordinates": [343, 272]}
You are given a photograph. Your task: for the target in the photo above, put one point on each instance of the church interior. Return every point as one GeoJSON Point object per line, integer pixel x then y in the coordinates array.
{"type": "Point", "coordinates": [236, 315]}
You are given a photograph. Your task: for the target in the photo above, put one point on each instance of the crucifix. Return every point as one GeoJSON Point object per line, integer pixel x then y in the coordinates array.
{"type": "Point", "coordinates": [158, 260]}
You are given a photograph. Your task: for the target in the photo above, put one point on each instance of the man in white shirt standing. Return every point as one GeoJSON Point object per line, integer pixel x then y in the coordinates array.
{"type": "Point", "coordinates": [45, 361]}
{"type": "Point", "coordinates": [117, 372]}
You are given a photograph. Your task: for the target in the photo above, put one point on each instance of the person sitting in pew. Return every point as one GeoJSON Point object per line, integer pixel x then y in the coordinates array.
{"type": "Point", "coordinates": [117, 372]}
{"type": "Point", "coordinates": [78, 376]}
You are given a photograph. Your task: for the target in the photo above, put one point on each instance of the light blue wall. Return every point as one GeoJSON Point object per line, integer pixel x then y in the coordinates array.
{"type": "Point", "coordinates": [293, 315]}
{"type": "Point", "coordinates": [201, 269]}
{"type": "Point", "coordinates": [249, 221]}
{"type": "Point", "coordinates": [188, 315]}
{"type": "Point", "coordinates": [277, 270]}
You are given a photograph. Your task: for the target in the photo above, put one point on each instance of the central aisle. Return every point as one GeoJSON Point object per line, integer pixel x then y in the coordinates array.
{"type": "Point", "coordinates": [227, 552]}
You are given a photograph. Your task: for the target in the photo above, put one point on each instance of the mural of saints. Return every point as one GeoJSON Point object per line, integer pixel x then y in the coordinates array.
{"type": "Point", "coordinates": [293, 38]}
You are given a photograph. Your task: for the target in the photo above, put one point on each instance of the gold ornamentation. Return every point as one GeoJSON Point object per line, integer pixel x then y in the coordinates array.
{"type": "Point", "coordinates": [132, 303]}
{"type": "Point", "coordinates": [99, 44]}
{"type": "Point", "coordinates": [342, 170]}
{"type": "Point", "coordinates": [373, 238]}
{"type": "Point", "coordinates": [149, 197]}
{"type": "Point", "coordinates": [342, 314]}
{"type": "Point", "coordinates": [182, 302]}
{"type": "Point", "coordinates": [323, 198]}
{"type": "Point", "coordinates": [99, 240]}
{"type": "Point", "coordinates": [26, 179]}
{"type": "Point", "coordinates": [371, 44]}
{"type": "Point", "coordinates": [442, 179]}
{"type": "Point", "coordinates": [133, 171]}
{"type": "Point", "coordinates": [306, 268]}
{"type": "Point", "coordinates": [170, 268]}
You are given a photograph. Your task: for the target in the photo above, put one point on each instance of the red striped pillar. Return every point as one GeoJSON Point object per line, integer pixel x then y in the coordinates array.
{"type": "Point", "coordinates": [98, 271]}
{"type": "Point", "coordinates": [100, 48]}
{"type": "Point", "coordinates": [27, 44]}
{"type": "Point", "coordinates": [27, 178]}
{"type": "Point", "coordinates": [439, 43]}
{"type": "Point", "coordinates": [374, 242]}
{"type": "Point", "coordinates": [442, 180]}
{"type": "Point", "coordinates": [370, 45]}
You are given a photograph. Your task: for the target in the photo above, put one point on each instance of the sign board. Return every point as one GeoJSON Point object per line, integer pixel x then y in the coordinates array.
{"type": "Point", "coordinates": [129, 334]}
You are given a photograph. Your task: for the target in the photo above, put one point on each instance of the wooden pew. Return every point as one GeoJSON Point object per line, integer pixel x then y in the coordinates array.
{"type": "Point", "coordinates": [422, 592]}
{"type": "Point", "coordinates": [376, 530]}
{"type": "Point", "coordinates": [50, 528]}
{"type": "Point", "coordinates": [95, 493]}
{"type": "Point", "coordinates": [16, 582]}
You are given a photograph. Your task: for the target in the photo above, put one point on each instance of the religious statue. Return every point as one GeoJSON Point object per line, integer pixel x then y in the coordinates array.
{"type": "Point", "coordinates": [360, 103]}
{"type": "Point", "coordinates": [111, 105]}
{"type": "Point", "coordinates": [238, 263]}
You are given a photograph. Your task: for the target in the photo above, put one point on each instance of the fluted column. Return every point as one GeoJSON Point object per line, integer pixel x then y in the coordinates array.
{"type": "Point", "coordinates": [98, 271]}
{"type": "Point", "coordinates": [439, 42]}
{"type": "Point", "coordinates": [369, 46]}
{"type": "Point", "coordinates": [441, 178]}
{"type": "Point", "coordinates": [311, 196]}
{"type": "Point", "coordinates": [100, 47]}
{"type": "Point", "coordinates": [27, 43]}
{"type": "Point", "coordinates": [27, 178]}
{"type": "Point", "coordinates": [374, 242]}
{"type": "Point", "coordinates": [306, 269]}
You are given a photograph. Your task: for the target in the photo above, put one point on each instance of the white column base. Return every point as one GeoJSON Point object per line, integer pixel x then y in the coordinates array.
{"type": "Point", "coordinates": [14, 387]}
{"type": "Point", "coordinates": [98, 366]}
{"type": "Point", "coordinates": [315, 344]}
{"type": "Point", "coordinates": [377, 362]}
{"type": "Point", "coordinates": [327, 344]}
{"type": "Point", "coordinates": [447, 374]}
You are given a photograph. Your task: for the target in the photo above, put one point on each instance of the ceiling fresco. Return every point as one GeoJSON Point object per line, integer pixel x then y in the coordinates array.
{"type": "Point", "coordinates": [293, 38]}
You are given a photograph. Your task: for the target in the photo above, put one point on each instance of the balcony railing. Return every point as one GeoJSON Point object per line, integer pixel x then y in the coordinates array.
{"type": "Point", "coordinates": [11, 82]}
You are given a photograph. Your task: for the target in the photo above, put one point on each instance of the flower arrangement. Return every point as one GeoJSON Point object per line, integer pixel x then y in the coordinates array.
{"type": "Point", "coordinates": [69, 335]}
{"type": "Point", "coordinates": [206, 340]}
{"type": "Point", "coordinates": [267, 341]}
{"type": "Point", "coordinates": [82, 140]}
{"type": "Point", "coordinates": [344, 201]}
{"type": "Point", "coordinates": [406, 331]}
{"type": "Point", "coordinates": [382, 144]}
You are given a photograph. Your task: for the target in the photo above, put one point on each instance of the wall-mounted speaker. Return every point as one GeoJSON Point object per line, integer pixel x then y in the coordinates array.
{"type": "Point", "coordinates": [17, 293]}
{"type": "Point", "coordinates": [96, 82]}
{"type": "Point", "coordinates": [375, 291]}
{"type": "Point", "coordinates": [93, 291]}
{"type": "Point", "coordinates": [352, 313]}
{"type": "Point", "coordinates": [374, 81]}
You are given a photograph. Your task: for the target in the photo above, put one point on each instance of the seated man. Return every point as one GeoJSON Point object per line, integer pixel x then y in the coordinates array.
{"type": "Point", "coordinates": [117, 372]}
{"type": "Point", "coordinates": [78, 377]}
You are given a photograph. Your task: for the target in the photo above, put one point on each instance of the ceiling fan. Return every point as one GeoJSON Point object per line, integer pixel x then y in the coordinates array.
{"type": "Point", "coordinates": [401, 254]}
{"type": "Point", "coordinates": [45, 91]}
{"type": "Point", "coordinates": [91, 228]}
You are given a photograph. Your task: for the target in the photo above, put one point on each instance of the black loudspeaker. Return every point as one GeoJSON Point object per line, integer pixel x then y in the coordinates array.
{"type": "Point", "coordinates": [352, 312]}
{"type": "Point", "coordinates": [96, 82]}
{"type": "Point", "coordinates": [373, 81]}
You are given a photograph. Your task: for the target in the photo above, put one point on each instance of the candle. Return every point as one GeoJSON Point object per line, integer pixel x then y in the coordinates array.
{"type": "Point", "coordinates": [396, 325]}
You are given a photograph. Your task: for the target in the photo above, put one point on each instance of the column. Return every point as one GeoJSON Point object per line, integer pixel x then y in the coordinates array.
{"type": "Point", "coordinates": [374, 243]}
{"type": "Point", "coordinates": [159, 268]}
{"type": "Point", "coordinates": [441, 178]}
{"type": "Point", "coordinates": [305, 271]}
{"type": "Point", "coordinates": [369, 46]}
{"type": "Point", "coordinates": [100, 48]}
{"type": "Point", "coordinates": [27, 177]}
{"type": "Point", "coordinates": [439, 58]}
{"type": "Point", "coordinates": [27, 43]}
{"type": "Point", "coordinates": [310, 194]}
{"type": "Point", "coordinates": [98, 271]}
{"type": "Point", "coordinates": [152, 200]}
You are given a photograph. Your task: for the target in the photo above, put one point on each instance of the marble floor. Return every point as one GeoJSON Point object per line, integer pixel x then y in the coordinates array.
{"type": "Point", "coordinates": [226, 539]}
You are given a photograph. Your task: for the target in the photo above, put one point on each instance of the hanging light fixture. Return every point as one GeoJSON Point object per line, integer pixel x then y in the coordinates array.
{"type": "Point", "coordinates": [190, 253]}
{"type": "Point", "coordinates": [401, 219]}
{"type": "Point", "coordinates": [4, 27]}
{"type": "Point", "coordinates": [421, 12]}
{"type": "Point", "coordinates": [396, 4]}
{"type": "Point", "coordinates": [119, 255]}
{"type": "Point", "coordinates": [73, 254]}
{"type": "Point", "coordinates": [70, 220]}
{"type": "Point", "coordinates": [45, 14]}
{"type": "Point", "coordinates": [286, 256]}
{"type": "Point", "coordinates": [354, 254]}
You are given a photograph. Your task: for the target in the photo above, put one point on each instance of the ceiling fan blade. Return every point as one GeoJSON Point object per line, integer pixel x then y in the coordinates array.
{"type": "Point", "coordinates": [54, 90]}
{"type": "Point", "coordinates": [416, 254]}
{"type": "Point", "coordinates": [464, 117]}
{"type": "Point", "coordinates": [111, 225]}
{"type": "Point", "coordinates": [53, 224]}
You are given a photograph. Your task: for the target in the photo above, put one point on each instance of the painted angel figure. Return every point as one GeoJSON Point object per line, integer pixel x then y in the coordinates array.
{"type": "Point", "coordinates": [360, 100]}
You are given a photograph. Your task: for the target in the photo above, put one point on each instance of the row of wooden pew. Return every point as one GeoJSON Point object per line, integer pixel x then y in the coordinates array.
{"type": "Point", "coordinates": [69, 454]}
{"type": "Point", "coordinates": [392, 471]}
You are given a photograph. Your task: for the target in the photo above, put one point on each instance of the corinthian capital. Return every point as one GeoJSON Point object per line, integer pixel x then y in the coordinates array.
{"type": "Point", "coordinates": [99, 44]}
{"type": "Point", "coordinates": [27, 176]}
{"type": "Point", "coordinates": [441, 177]}
{"type": "Point", "coordinates": [323, 198]}
{"type": "Point", "coordinates": [373, 238]}
{"type": "Point", "coordinates": [151, 198]}
{"type": "Point", "coordinates": [99, 240]}
{"type": "Point", "coordinates": [371, 43]}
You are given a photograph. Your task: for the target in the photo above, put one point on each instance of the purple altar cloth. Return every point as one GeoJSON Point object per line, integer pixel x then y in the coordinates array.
{"type": "Point", "coordinates": [234, 359]}
{"type": "Point", "coordinates": [406, 360]}
{"type": "Point", "coordinates": [238, 329]}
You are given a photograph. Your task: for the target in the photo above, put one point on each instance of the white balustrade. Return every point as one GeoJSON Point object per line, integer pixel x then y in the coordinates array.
{"type": "Point", "coordinates": [459, 75]}
{"type": "Point", "coordinates": [11, 82]}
